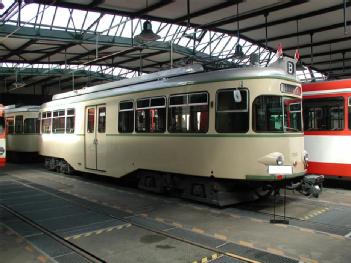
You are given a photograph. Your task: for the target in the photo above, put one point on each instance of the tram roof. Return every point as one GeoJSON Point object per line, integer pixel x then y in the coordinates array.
{"type": "Point", "coordinates": [14, 109]}
{"type": "Point", "coordinates": [277, 70]}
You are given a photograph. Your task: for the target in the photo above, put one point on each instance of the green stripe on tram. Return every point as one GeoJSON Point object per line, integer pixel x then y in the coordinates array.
{"type": "Point", "coordinates": [268, 177]}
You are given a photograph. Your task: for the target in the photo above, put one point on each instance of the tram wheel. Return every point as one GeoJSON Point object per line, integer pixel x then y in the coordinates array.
{"type": "Point", "coordinates": [264, 191]}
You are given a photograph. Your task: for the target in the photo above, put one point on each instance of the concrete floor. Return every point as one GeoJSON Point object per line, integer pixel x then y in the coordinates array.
{"type": "Point", "coordinates": [318, 231]}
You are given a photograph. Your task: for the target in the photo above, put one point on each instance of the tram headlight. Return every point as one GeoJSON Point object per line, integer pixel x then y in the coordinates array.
{"type": "Point", "coordinates": [280, 160]}
{"type": "Point", "coordinates": [2, 150]}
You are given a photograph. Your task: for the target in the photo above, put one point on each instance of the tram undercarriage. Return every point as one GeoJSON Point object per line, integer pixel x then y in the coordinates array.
{"type": "Point", "coordinates": [210, 190]}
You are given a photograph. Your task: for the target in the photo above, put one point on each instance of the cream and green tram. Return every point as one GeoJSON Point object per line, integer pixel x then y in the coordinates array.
{"type": "Point", "coordinates": [211, 136]}
{"type": "Point", "coordinates": [22, 132]}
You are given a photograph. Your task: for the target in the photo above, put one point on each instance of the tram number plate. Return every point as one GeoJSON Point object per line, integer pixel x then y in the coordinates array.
{"type": "Point", "coordinates": [280, 169]}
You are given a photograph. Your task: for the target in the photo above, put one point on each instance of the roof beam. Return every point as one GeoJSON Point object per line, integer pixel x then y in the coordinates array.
{"type": "Point", "coordinates": [257, 12]}
{"type": "Point", "coordinates": [119, 53]}
{"type": "Point", "coordinates": [331, 61]}
{"type": "Point", "coordinates": [58, 50]}
{"type": "Point", "coordinates": [78, 57]}
{"type": "Point", "coordinates": [153, 7]}
{"type": "Point", "coordinates": [19, 50]}
{"type": "Point", "coordinates": [143, 16]}
{"type": "Point", "coordinates": [321, 43]}
{"type": "Point", "coordinates": [138, 58]}
{"type": "Point", "coordinates": [95, 3]}
{"type": "Point", "coordinates": [306, 32]}
{"type": "Point", "coordinates": [295, 18]}
{"type": "Point", "coordinates": [341, 51]}
{"type": "Point", "coordinates": [207, 10]}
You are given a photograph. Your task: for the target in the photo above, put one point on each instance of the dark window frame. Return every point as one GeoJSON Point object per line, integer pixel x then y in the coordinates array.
{"type": "Point", "coordinates": [19, 127]}
{"type": "Point", "coordinates": [147, 110]}
{"type": "Point", "coordinates": [67, 116]}
{"type": "Point", "coordinates": [188, 104]}
{"type": "Point", "coordinates": [123, 111]}
{"type": "Point", "coordinates": [246, 110]}
{"type": "Point", "coordinates": [324, 117]}
{"type": "Point", "coordinates": [32, 128]}
{"type": "Point", "coordinates": [46, 115]}
{"type": "Point", "coordinates": [57, 117]}
{"type": "Point", "coordinates": [101, 119]}
{"type": "Point", "coordinates": [12, 130]}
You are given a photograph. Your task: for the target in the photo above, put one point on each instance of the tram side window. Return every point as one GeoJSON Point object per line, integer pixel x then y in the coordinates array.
{"type": "Point", "coordinates": [70, 116]}
{"type": "Point", "coordinates": [150, 115]}
{"type": "Point", "coordinates": [46, 122]}
{"type": "Point", "coordinates": [10, 125]}
{"type": "Point", "coordinates": [126, 117]}
{"type": "Point", "coordinates": [349, 104]}
{"type": "Point", "coordinates": [91, 120]}
{"type": "Point", "coordinates": [324, 114]}
{"type": "Point", "coordinates": [232, 113]}
{"type": "Point", "coordinates": [188, 113]}
{"type": "Point", "coordinates": [102, 120]}
{"type": "Point", "coordinates": [58, 121]}
{"type": "Point", "coordinates": [30, 125]}
{"type": "Point", "coordinates": [19, 124]}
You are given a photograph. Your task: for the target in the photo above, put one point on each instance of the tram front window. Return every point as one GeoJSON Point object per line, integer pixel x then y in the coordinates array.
{"type": "Point", "coordinates": [277, 114]}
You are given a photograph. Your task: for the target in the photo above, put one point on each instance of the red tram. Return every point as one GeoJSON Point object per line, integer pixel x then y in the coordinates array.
{"type": "Point", "coordinates": [327, 121]}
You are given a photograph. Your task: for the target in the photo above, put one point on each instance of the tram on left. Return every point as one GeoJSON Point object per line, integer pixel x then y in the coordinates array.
{"type": "Point", "coordinates": [2, 137]}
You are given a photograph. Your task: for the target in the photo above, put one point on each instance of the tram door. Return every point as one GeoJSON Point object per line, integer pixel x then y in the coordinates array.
{"type": "Point", "coordinates": [95, 137]}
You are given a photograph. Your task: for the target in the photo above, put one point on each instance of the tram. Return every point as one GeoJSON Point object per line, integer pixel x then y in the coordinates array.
{"type": "Point", "coordinates": [213, 137]}
{"type": "Point", "coordinates": [22, 127]}
{"type": "Point", "coordinates": [2, 138]}
{"type": "Point", "coordinates": [327, 123]}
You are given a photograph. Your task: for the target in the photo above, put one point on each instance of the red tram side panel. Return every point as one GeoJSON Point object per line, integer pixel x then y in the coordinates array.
{"type": "Point", "coordinates": [2, 137]}
{"type": "Point", "coordinates": [327, 124]}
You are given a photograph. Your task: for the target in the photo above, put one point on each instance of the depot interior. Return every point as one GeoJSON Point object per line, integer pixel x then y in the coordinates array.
{"type": "Point", "coordinates": [53, 50]}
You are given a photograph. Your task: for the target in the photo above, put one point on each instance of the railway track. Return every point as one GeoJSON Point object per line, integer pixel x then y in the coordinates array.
{"type": "Point", "coordinates": [256, 213]}
{"type": "Point", "coordinates": [188, 237]}
{"type": "Point", "coordinates": [84, 254]}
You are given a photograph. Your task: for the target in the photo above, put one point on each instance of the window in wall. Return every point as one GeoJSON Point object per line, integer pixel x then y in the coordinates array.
{"type": "Point", "coordinates": [324, 114]}
{"type": "Point", "coordinates": [150, 115]}
{"type": "Point", "coordinates": [10, 124]}
{"type": "Point", "coordinates": [188, 113]}
{"type": "Point", "coordinates": [19, 124]}
{"type": "Point", "coordinates": [126, 117]}
{"type": "Point", "coordinates": [46, 122]}
{"type": "Point", "coordinates": [232, 114]}
{"type": "Point", "coordinates": [271, 114]}
{"type": "Point", "coordinates": [293, 116]}
{"type": "Point", "coordinates": [58, 121]}
{"type": "Point", "coordinates": [30, 125]}
{"type": "Point", "coordinates": [102, 120]}
{"type": "Point", "coordinates": [70, 120]}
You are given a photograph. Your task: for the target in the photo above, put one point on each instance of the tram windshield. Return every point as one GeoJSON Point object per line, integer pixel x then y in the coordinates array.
{"type": "Point", "coordinates": [277, 114]}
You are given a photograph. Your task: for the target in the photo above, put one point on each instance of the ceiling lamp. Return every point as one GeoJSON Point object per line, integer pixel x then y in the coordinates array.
{"type": "Point", "coordinates": [1, 5]}
{"type": "Point", "coordinates": [147, 35]}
